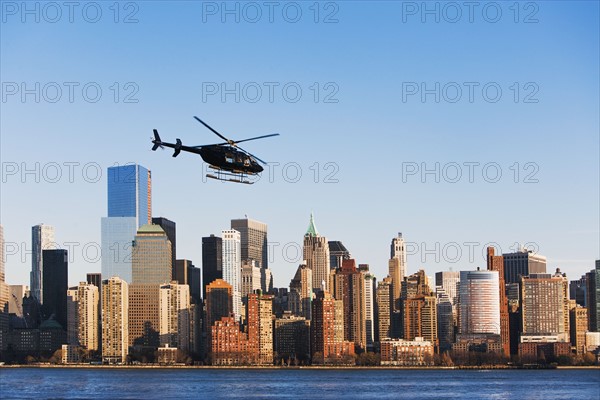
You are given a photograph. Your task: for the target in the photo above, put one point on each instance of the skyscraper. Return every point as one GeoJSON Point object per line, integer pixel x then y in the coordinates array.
{"type": "Point", "coordinates": [542, 306]}
{"type": "Point", "coordinates": [253, 237]}
{"type": "Point", "coordinates": [369, 289]}
{"type": "Point", "coordinates": [316, 256]}
{"type": "Point", "coordinates": [445, 320]}
{"type": "Point", "coordinates": [88, 319]}
{"type": "Point", "coordinates": [55, 285]}
{"type": "Point", "coordinates": [186, 273]}
{"type": "Point", "coordinates": [129, 204]}
{"type": "Point", "coordinates": [232, 267]}
{"type": "Point", "coordinates": [337, 253]}
{"type": "Point", "coordinates": [130, 193]}
{"type": "Point", "coordinates": [322, 327]}
{"type": "Point", "coordinates": [578, 327]}
{"type": "Point", "coordinates": [116, 246]}
{"type": "Point", "coordinates": [300, 295]}
{"type": "Point", "coordinates": [250, 278]}
{"type": "Point", "coordinates": [259, 316]}
{"type": "Point", "coordinates": [170, 229]}
{"type": "Point", "coordinates": [42, 238]}
{"type": "Point", "coordinates": [350, 288]}
{"type": "Point", "coordinates": [174, 318]}
{"type": "Point", "coordinates": [449, 281]}
{"type": "Point", "coordinates": [522, 263]}
{"type": "Point", "coordinates": [479, 302]}
{"type": "Point", "coordinates": [593, 298]}
{"type": "Point", "coordinates": [398, 251]}
{"type": "Point", "coordinates": [115, 320]}
{"type": "Point", "coordinates": [496, 263]}
{"type": "Point", "coordinates": [420, 318]}
{"type": "Point", "coordinates": [151, 267]}
{"type": "Point", "coordinates": [212, 261]}
{"type": "Point", "coordinates": [219, 304]}
{"type": "Point", "coordinates": [384, 314]}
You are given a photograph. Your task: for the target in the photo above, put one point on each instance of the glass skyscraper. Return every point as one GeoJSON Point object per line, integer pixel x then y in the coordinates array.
{"type": "Point", "coordinates": [129, 189]}
{"type": "Point", "coordinates": [130, 193]}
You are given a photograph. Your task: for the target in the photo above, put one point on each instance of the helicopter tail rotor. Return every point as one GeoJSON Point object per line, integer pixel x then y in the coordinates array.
{"type": "Point", "coordinates": [157, 142]}
{"type": "Point", "coordinates": [177, 148]}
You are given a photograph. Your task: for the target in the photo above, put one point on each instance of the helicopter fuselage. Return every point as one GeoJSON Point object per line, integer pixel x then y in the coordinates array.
{"type": "Point", "coordinates": [230, 159]}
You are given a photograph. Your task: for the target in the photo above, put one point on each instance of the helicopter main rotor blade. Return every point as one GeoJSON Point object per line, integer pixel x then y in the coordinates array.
{"type": "Point", "coordinates": [208, 145]}
{"type": "Point", "coordinates": [254, 138]}
{"type": "Point", "coordinates": [213, 131]}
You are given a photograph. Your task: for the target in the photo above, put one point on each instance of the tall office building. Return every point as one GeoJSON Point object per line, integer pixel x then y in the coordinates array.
{"type": "Point", "coordinates": [479, 302]}
{"type": "Point", "coordinates": [322, 327]}
{"type": "Point", "coordinates": [88, 319]}
{"type": "Point", "coordinates": [212, 261]}
{"type": "Point", "coordinates": [219, 301]}
{"type": "Point", "coordinates": [369, 289]}
{"type": "Point", "coordinates": [337, 253]}
{"type": "Point", "coordinates": [449, 282]}
{"type": "Point", "coordinates": [566, 302]}
{"type": "Point", "coordinates": [291, 338]}
{"type": "Point", "coordinates": [55, 285]}
{"type": "Point", "coordinates": [151, 256]}
{"type": "Point", "coordinates": [115, 320]}
{"type": "Point", "coordinates": [593, 298]}
{"type": "Point", "coordinates": [170, 229]}
{"type": "Point", "coordinates": [94, 278]}
{"type": "Point", "coordinates": [253, 237]}
{"type": "Point", "coordinates": [259, 316]}
{"type": "Point", "coordinates": [250, 278]}
{"type": "Point", "coordinates": [232, 267]}
{"type": "Point", "coordinates": [129, 206]}
{"type": "Point", "coordinates": [350, 288]}
{"type": "Point", "coordinates": [496, 263]}
{"type": "Point", "coordinates": [383, 305]}
{"type": "Point", "coordinates": [219, 304]}
{"type": "Point", "coordinates": [116, 246]}
{"type": "Point", "coordinates": [316, 256]}
{"type": "Point", "coordinates": [420, 318]}
{"type": "Point", "coordinates": [578, 291]}
{"type": "Point", "coordinates": [42, 238]}
{"type": "Point", "coordinates": [542, 307]}
{"type": "Point", "coordinates": [130, 193]}
{"type": "Point", "coordinates": [174, 318]}
{"type": "Point", "coordinates": [301, 293]}
{"type": "Point", "coordinates": [522, 263]}
{"type": "Point", "coordinates": [445, 320]}
{"type": "Point", "coordinates": [186, 273]}
{"type": "Point", "coordinates": [151, 267]}
{"type": "Point", "coordinates": [73, 316]}
{"type": "Point", "coordinates": [398, 251]}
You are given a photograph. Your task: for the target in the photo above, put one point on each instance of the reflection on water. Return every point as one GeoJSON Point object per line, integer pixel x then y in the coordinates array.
{"type": "Point", "coordinates": [301, 384]}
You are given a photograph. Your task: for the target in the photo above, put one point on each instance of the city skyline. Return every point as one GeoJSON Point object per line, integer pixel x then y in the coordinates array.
{"type": "Point", "coordinates": [361, 143]}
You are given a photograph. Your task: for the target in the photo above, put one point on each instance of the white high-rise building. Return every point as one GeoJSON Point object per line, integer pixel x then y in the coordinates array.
{"type": "Point", "coordinates": [42, 238]}
{"type": "Point", "coordinates": [449, 281]}
{"type": "Point", "coordinates": [174, 325]}
{"type": "Point", "coordinates": [87, 315]}
{"type": "Point", "coordinates": [115, 320]}
{"type": "Point", "coordinates": [4, 288]}
{"type": "Point", "coordinates": [232, 266]}
{"type": "Point", "coordinates": [479, 302]}
{"type": "Point", "coordinates": [369, 309]}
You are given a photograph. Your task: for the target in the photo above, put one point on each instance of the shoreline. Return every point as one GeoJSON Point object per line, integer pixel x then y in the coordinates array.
{"type": "Point", "coordinates": [296, 368]}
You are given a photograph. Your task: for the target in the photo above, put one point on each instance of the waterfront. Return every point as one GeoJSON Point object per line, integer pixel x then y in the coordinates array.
{"type": "Point", "coordinates": [70, 383]}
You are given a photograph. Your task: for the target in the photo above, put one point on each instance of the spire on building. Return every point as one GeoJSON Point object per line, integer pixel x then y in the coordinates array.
{"type": "Point", "coordinates": [312, 229]}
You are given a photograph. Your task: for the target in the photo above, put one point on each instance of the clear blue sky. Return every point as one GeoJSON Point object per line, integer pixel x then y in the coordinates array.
{"type": "Point", "coordinates": [370, 57]}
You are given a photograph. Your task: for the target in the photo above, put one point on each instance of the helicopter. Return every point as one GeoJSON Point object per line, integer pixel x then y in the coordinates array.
{"type": "Point", "coordinates": [231, 162]}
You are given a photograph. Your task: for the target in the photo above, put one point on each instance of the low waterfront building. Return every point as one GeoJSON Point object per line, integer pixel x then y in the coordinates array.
{"type": "Point", "coordinates": [409, 353]}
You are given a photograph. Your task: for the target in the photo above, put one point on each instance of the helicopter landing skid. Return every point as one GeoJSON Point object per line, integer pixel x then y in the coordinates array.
{"type": "Point", "coordinates": [229, 177]}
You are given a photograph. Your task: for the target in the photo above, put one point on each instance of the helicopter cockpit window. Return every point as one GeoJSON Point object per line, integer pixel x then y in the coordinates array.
{"type": "Point", "coordinates": [228, 158]}
{"type": "Point", "coordinates": [247, 162]}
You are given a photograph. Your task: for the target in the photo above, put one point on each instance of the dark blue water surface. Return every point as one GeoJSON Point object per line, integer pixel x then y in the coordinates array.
{"type": "Point", "coordinates": [300, 384]}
